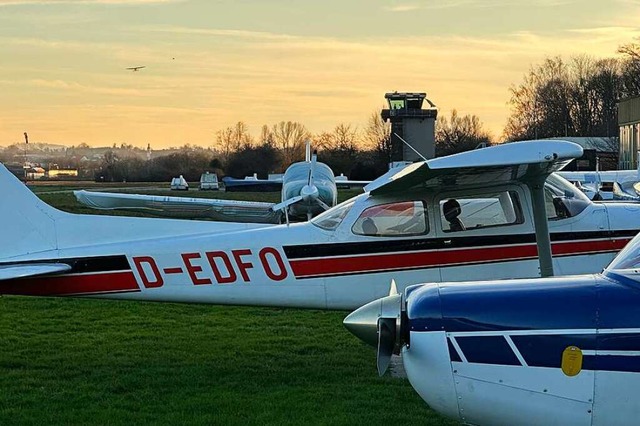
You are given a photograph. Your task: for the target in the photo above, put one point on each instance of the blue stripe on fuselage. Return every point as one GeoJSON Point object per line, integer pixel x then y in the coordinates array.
{"type": "Point", "coordinates": [600, 315]}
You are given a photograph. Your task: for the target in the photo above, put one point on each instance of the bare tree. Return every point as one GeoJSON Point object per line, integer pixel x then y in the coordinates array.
{"type": "Point", "coordinates": [566, 99]}
{"type": "Point", "coordinates": [343, 138]}
{"type": "Point", "coordinates": [290, 137]}
{"type": "Point", "coordinates": [458, 134]}
{"type": "Point", "coordinates": [322, 141]}
{"type": "Point", "coordinates": [377, 137]}
{"type": "Point", "coordinates": [631, 68]}
{"type": "Point", "coordinates": [266, 136]}
{"type": "Point", "coordinates": [232, 139]}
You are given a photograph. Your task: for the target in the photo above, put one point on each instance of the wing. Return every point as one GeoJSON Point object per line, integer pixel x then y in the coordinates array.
{"type": "Point", "coordinates": [182, 207]}
{"type": "Point", "coordinates": [9, 272]}
{"type": "Point", "coordinates": [486, 167]}
{"type": "Point", "coordinates": [346, 183]}
{"type": "Point", "coordinates": [251, 185]}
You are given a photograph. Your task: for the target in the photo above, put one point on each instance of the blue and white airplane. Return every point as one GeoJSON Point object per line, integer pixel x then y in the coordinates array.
{"type": "Point", "coordinates": [554, 351]}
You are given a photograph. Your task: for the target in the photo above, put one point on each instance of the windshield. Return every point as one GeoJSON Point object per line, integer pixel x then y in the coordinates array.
{"type": "Point", "coordinates": [562, 199]}
{"type": "Point", "coordinates": [333, 217]}
{"type": "Point", "coordinates": [628, 260]}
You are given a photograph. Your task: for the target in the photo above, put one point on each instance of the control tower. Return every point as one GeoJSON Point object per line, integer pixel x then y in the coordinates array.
{"type": "Point", "coordinates": [415, 125]}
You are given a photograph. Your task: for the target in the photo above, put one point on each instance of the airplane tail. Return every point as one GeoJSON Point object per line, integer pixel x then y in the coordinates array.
{"type": "Point", "coordinates": [29, 224]}
{"type": "Point", "coordinates": [307, 151]}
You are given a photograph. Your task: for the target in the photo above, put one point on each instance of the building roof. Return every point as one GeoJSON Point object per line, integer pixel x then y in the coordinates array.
{"type": "Point", "coordinates": [595, 143]}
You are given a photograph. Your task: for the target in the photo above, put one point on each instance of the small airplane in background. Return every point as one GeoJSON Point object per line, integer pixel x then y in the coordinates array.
{"type": "Point", "coordinates": [607, 185]}
{"type": "Point", "coordinates": [477, 213]}
{"type": "Point", "coordinates": [134, 69]}
{"type": "Point", "coordinates": [561, 351]}
{"type": "Point", "coordinates": [307, 187]}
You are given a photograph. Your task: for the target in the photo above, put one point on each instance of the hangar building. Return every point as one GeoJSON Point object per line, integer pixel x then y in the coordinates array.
{"type": "Point", "coordinates": [629, 122]}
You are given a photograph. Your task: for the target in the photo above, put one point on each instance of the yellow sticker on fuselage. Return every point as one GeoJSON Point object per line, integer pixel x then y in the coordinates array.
{"type": "Point", "coordinates": [571, 361]}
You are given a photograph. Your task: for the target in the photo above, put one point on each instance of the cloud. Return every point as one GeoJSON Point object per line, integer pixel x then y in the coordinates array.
{"type": "Point", "coordinates": [258, 35]}
{"type": "Point", "coordinates": [101, 90]}
{"type": "Point", "coordinates": [472, 4]}
{"type": "Point", "coordinates": [403, 7]}
{"type": "Point", "coordinates": [54, 2]}
{"type": "Point", "coordinates": [221, 76]}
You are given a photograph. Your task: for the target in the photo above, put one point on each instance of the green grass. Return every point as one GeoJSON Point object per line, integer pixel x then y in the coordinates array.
{"type": "Point", "coordinates": [74, 361]}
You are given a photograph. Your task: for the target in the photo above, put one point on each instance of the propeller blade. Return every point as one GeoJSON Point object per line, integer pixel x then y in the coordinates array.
{"type": "Point", "coordinates": [287, 203]}
{"type": "Point", "coordinates": [322, 204]}
{"type": "Point", "coordinates": [312, 169]}
{"type": "Point", "coordinates": [386, 343]}
{"type": "Point", "coordinates": [379, 324]}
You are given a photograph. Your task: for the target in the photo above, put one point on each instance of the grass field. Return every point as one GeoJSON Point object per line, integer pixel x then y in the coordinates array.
{"type": "Point", "coordinates": [72, 361]}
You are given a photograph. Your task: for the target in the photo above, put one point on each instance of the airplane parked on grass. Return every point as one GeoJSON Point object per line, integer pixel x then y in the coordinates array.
{"type": "Point", "coordinates": [561, 351]}
{"type": "Point", "coordinates": [469, 214]}
{"type": "Point", "coordinates": [308, 188]}
{"type": "Point", "coordinates": [607, 185]}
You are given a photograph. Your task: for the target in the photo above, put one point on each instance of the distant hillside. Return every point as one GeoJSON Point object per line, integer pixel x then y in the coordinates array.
{"type": "Point", "coordinates": [38, 146]}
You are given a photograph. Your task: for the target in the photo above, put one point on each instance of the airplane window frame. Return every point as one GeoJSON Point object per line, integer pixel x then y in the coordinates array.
{"type": "Point", "coordinates": [362, 215]}
{"type": "Point", "coordinates": [340, 211]}
{"type": "Point", "coordinates": [563, 199]}
{"type": "Point", "coordinates": [518, 211]}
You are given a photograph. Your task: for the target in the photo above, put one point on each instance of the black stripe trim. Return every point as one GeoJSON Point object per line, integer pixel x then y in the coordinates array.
{"type": "Point", "coordinates": [81, 265]}
{"type": "Point", "coordinates": [447, 265]}
{"type": "Point", "coordinates": [392, 246]}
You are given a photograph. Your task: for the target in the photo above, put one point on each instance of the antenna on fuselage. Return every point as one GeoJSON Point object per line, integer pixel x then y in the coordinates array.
{"type": "Point", "coordinates": [412, 148]}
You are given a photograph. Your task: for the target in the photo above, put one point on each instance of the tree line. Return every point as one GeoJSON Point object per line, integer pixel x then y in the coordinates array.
{"type": "Point", "coordinates": [574, 97]}
{"type": "Point", "coordinates": [360, 154]}
{"type": "Point", "coordinates": [558, 97]}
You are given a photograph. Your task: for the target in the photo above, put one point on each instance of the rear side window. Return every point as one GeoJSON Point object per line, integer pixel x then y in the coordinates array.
{"type": "Point", "coordinates": [405, 218]}
{"type": "Point", "coordinates": [480, 211]}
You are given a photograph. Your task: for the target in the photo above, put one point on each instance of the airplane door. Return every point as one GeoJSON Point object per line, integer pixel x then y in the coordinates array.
{"type": "Point", "coordinates": [617, 379]}
{"type": "Point", "coordinates": [570, 233]}
{"type": "Point", "coordinates": [485, 234]}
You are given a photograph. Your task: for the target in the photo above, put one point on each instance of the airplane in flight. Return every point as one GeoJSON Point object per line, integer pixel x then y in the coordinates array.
{"type": "Point", "coordinates": [446, 219]}
{"type": "Point", "coordinates": [546, 351]}
{"type": "Point", "coordinates": [307, 187]}
{"type": "Point", "coordinates": [135, 69]}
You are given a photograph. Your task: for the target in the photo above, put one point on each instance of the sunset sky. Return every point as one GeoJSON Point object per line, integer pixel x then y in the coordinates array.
{"type": "Point", "coordinates": [211, 63]}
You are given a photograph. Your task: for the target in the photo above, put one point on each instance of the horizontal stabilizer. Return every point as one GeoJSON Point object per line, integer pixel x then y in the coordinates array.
{"type": "Point", "coordinates": [10, 272]}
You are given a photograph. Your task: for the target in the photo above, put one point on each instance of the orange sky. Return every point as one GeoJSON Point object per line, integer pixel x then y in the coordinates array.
{"type": "Point", "coordinates": [212, 63]}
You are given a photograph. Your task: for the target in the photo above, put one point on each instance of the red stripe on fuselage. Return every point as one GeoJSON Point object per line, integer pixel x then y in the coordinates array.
{"type": "Point", "coordinates": [66, 285]}
{"type": "Point", "coordinates": [444, 257]}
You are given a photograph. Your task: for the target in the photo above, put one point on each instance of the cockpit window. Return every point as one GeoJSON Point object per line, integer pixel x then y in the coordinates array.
{"type": "Point", "coordinates": [480, 211]}
{"type": "Point", "coordinates": [562, 199]}
{"type": "Point", "coordinates": [405, 218]}
{"type": "Point", "coordinates": [330, 219]}
{"type": "Point", "coordinates": [628, 260]}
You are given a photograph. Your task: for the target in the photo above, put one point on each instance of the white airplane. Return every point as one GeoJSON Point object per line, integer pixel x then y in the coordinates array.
{"type": "Point", "coordinates": [607, 185]}
{"type": "Point", "coordinates": [553, 351]}
{"type": "Point", "coordinates": [209, 181]}
{"type": "Point", "coordinates": [179, 184]}
{"type": "Point", "coordinates": [308, 188]}
{"type": "Point", "coordinates": [470, 214]}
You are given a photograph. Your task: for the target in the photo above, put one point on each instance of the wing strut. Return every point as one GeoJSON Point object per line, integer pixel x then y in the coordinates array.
{"type": "Point", "coordinates": [541, 226]}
